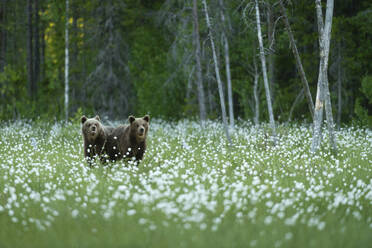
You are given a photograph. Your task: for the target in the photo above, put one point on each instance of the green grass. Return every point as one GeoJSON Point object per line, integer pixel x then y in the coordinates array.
{"type": "Point", "coordinates": [191, 190]}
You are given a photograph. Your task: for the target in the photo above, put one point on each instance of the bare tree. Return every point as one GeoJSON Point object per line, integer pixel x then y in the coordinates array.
{"type": "Point", "coordinates": [222, 99]}
{"type": "Point", "coordinates": [264, 72]}
{"type": "Point", "coordinates": [255, 93]}
{"type": "Point", "coordinates": [66, 62]}
{"type": "Point", "coordinates": [300, 68]}
{"type": "Point", "coordinates": [270, 55]}
{"type": "Point", "coordinates": [227, 65]}
{"type": "Point", "coordinates": [298, 99]}
{"type": "Point", "coordinates": [323, 95]}
{"type": "Point", "coordinates": [199, 78]}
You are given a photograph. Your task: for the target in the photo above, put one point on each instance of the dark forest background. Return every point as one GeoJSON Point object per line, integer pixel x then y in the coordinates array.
{"type": "Point", "coordinates": [137, 57]}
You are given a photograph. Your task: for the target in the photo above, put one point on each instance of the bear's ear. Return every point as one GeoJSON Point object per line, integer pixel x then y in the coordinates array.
{"type": "Point", "coordinates": [83, 119]}
{"type": "Point", "coordinates": [131, 119]}
{"type": "Point", "coordinates": [146, 118]}
{"type": "Point", "coordinates": [97, 118]}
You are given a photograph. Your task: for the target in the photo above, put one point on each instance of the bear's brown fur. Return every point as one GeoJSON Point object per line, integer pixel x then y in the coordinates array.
{"type": "Point", "coordinates": [128, 141]}
{"type": "Point", "coordinates": [95, 137]}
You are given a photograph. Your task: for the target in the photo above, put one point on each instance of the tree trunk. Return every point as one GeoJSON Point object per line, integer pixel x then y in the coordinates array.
{"type": "Point", "coordinates": [319, 102]}
{"type": "Point", "coordinates": [199, 77]}
{"type": "Point", "coordinates": [327, 39]}
{"type": "Point", "coordinates": [298, 98]}
{"type": "Point", "coordinates": [30, 66]}
{"type": "Point", "coordinates": [66, 62]}
{"type": "Point", "coordinates": [329, 115]}
{"type": "Point", "coordinates": [211, 102]}
{"type": "Point", "coordinates": [264, 72]}
{"type": "Point", "coordinates": [189, 86]}
{"type": "Point", "coordinates": [222, 99]}
{"type": "Point", "coordinates": [323, 98]}
{"type": "Point", "coordinates": [328, 106]}
{"type": "Point", "coordinates": [255, 93]}
{"type": "Point", "coordinates": [229, 85]}
{"type": "Point", "coordinates": [305, 84]}
{"type": "Point", "coordinates": [227, 67]}
{"type": "Point", "coordinates": [270, 56]}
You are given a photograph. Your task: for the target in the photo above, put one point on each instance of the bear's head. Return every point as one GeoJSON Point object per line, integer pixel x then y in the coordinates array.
{"type": "Point", "coordinates": [139, 127]}
{"type": "Point", "coordinates": [92, 127]}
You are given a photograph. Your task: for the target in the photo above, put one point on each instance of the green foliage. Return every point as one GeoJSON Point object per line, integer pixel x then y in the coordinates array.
{"type": "Point", "coordinates": [152, 58]}
{"type": "Point", "coordinates": [12, 89]}
{"type": "Point", "coordinates": [367, 88]}
{"type": "Point", "coordinates": [363, 103]}
{"type": "Point", "coordinates": [77, 116]}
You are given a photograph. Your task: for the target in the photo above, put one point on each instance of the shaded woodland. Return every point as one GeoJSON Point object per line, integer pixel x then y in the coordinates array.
{"type": "Point", "coordinates": [61, 59]}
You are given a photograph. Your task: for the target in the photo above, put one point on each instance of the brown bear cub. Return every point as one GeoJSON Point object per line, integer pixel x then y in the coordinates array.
{"type": "Point", "coordinates": [95, 138]}
{"type": "Point", "coordinates": [128, 141]}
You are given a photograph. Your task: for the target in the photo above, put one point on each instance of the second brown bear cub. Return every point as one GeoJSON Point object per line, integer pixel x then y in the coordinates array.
{"type": "Point", "coordinates": [128, 141]}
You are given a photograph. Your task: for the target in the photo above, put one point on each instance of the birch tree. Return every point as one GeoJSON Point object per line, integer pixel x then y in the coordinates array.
{"type": "Point", "coordinates": [227, 65]}
{"type": "Point", "coordinates": [323, 95]}
{"type": "Point", "coordinates": [199, 78]}
{"type": "Point", "coordinates": [270, 54]}
{"type": "Point", "coordinates": [296, 54]}
{"type": "Point", "coordinates": [66, 62]}
{"type": "Point", "coordinates": [255, 93]}
{"type": "Point", "coordinates": [264, 72]}
{"type": "Point", "coordinates": [222, 99]}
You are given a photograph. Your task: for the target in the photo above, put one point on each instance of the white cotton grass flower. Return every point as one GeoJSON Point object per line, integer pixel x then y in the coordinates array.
{"type": "Point", "coordinates": [74, 213]}
{"type": "Point", "coordinates": [131, 212]}
{"type": "Point", "coordinates": [189, 178]}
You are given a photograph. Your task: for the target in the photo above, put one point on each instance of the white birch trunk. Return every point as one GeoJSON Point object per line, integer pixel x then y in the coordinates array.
{"type": "Point", "coordinates": [319, 102]}
{"type": "Point", "coordinates": [264, 72]}
{"type": "Point", "coordinates": [199, 78]}
{"type": "Point", "coordinates": [323, 89]}
{"type": "Point", "coordinates": [227, 68]}
{"type": "Point", "coordinates": [270, 55]}
{"type": "Point", "coordinates": [229, 84]}
{"type": "Point", "coordinates": [255, 93]}
{"type": "Point", "coordinates": [328, 104]}
{"type": "Point", "coordinates": [256, 100]}
{"type": "Point", "coordinates": [66, 63]}
{"type": "Point", "coordinates": [222, 99]}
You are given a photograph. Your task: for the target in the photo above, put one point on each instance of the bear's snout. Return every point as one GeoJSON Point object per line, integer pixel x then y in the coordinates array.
{"type": "Point", "coordinates": [93, 130]}
{"type": "Point", "coordinates": [141, 130]}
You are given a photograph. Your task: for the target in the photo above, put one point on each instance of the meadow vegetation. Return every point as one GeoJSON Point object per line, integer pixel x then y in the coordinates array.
{"type": "Point", "coordinates": [191, 189]}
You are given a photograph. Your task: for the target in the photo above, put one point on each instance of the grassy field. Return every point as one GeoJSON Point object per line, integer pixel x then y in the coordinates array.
{"type": "Point", "coordinates": [191, 190]}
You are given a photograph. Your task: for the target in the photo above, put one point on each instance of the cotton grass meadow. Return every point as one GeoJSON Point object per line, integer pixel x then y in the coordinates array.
{"type": "Point", "coordinates": [191, 190]}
